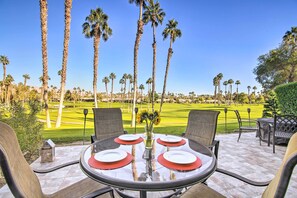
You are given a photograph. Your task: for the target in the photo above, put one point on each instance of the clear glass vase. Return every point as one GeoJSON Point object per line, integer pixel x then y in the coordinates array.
{"type": "Point", "coordinates": [149, 137]}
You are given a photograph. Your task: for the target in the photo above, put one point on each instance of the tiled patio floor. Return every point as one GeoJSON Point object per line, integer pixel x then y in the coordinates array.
{"type": "Point", "coordinates": [246, 158]}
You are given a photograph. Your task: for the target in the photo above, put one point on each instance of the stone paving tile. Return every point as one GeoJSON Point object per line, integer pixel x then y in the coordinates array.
{"type": "Point", "coordinates": [245, 157]}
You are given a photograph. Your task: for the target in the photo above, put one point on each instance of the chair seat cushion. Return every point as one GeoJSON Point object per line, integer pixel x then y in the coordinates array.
{"type": "Point", "coordinates": [201, 190]}
{"type": "Point", "coordinates": [249, 128]}
{"type": "Point", "coordinates": [80, 189]}
{"type": "Point", "coordinates": [282, 134]}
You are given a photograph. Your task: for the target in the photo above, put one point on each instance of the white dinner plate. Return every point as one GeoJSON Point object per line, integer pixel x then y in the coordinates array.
{"type": "Point", "coordinates": [171, 138]}
{"type": "Point", "coordinates": [180, 157]}
{"type": "Point", "coordinates": [128, 137]}
{"type": "Point", "coordinates": [111, 155]}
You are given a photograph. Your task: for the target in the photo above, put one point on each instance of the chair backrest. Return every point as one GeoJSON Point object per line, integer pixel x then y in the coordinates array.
{"type": "Point", "coordinates": [285, 123]}
{"type": "Point", "coordinates": [202, 126]}
{"type": "Point", "coordinates": [278, 186]}
{"type": "Point", "coordinates": [108, 122]}
{"type": "Point", "coordinates": [19, 176]}
{"type": "Point", "coordinates": [238, 118]}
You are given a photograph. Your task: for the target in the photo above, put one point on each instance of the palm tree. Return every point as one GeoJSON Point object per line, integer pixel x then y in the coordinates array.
{"type": "Point", "coordinates": [154, 14]}
{"type": "Point", "coordinates": [125, 77]}
{"type": "Point", "coordinates": [136, 47]}
{"type": "Point", "coordinates": [105, 80]}
{"type": "Point", "coordinates": [112, 76]}
{"type": "Point", "coordinates": [171, 29]}
{"type": "Point", "coordinates": [225, 83]}
{"type": "Point", "coordinates": [219, 77]}
{"type": "Point", "coordinates": [141, 87]}
{"type": "Point", "coordinates": [122, 82]}
{"type": "Point", "coordinates": [149, 82]}
{"type": "Point", "coordinates": [43, 19]}
{"type": "Point", "coordinates": [68, 6]}
{"type": "Point", "coordinates": [215, 82]}
{"type": "Point", "coordinates": [237, 83]}
{"type": "Point", "coordinates": [95, 27]}
{"type": "Point", "coordinates": [5, 61]}
{"type": "Point", "coordinates": [230, 82]}
{"type": "Point", "coordinates": [26, 77]}
{"type": "Point", "coordinates": [249, 89]}
{"type": "Point", "coordinates": [7, 83]}
{"type": "Point", "coordinates": [130, 78]}
{"type": "Point", "coordinates": [254, 88]}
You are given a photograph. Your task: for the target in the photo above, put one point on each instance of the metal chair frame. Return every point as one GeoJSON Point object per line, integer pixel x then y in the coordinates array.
{"type": "Point", "coordinates": [284, 127]}
{"type": "Point", "coordinates": [108, 122]}
{"type": "Point", "coordinates": [242, 128]}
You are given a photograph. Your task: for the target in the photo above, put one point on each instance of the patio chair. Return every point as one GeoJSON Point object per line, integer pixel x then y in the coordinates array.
{"type": "Point", "coordinates": [202, 127]}
{"type": "Point", "coordinates": [264, 132]}
{"type": "Point", "coordinates": [108, 122]}
{"type": "Point", "coordinates": [242, 128]}
{"type": "Point", "coordinates": [23, 182]}
{"type": "Point", "coordinates": [284, 127]}
{"type": "Point", "coordinates": [277, 187]}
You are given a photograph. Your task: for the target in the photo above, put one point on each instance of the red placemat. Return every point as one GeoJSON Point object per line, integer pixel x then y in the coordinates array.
{"type": "Point", "coordinates": [110, 165]}
{"type": "Point", "coordinates": [179, 167]}
{"type": "Point", "coordinates": [119, 141]}
{"type": "Point", "coordinates": [182, 142]}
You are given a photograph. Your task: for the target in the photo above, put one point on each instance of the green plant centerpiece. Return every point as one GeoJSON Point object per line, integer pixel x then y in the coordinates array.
{"type": "Point", "coordinates": [150, 120]}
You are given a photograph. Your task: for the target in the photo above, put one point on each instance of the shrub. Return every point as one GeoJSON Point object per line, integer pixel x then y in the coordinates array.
{"type": "Point", "coordinates": [27, 127]}
{"type": "Point", "coordinates": [286, 95]}
{"type": "Point", "coordinates": [270, 105]}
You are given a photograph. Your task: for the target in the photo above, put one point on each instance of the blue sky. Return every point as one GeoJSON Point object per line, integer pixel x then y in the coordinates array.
{"type": "Point", "coordinates": [218, 36]}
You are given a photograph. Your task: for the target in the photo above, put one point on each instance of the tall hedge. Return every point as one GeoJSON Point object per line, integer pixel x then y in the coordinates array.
{"type": "Point", "coordinates": [287, 97]}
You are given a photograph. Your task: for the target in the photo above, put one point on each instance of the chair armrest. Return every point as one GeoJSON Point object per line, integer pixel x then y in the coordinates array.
{"type": "Point", "coordinates": [56, 167]}
{"type": "Point", "coordinates": [241, 178]}
{"type": "Point", "coordinates": [100, 192]}
{"type": "Point", "coordinates": [125, 132]}
{"type": "Point", "coordinates": [215, 144]}
{"type": "Point", "coordinates": [183, 134]}
{"type": "Point", "coordinates": [93, 139]}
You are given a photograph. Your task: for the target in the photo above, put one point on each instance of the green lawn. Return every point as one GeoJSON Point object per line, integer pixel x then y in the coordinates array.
{"type": "Point", "coordinates": [173, 119]}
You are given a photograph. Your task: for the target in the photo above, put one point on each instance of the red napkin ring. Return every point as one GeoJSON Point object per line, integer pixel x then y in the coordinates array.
{"type": "Point", "coordinates": [173, 144]}
{"type": "Point", "coordinates": [119, 141]}
{"type": "Point", "coordinates": [179, 167]}
{"type": "Point", "coordinates": [110, 165]}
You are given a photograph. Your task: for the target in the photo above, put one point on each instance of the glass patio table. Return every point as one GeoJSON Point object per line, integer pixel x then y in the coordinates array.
{"type": "Point", "coordinates": [142, 176]}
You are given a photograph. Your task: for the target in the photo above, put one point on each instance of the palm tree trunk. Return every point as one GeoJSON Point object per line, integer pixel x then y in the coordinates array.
{"type": "Point", "coordinates": [68, 5]}
{"type": "Point", "coordinates": [166, 74]}
{"type": "Point", "coordinates": [96, 61]}
{"type": "Point", "coordinates": [292, 73]}
{"type": "Point", "coordinates": [237, 93]}
{"type": "Point", "coordinates": [231, 94]}
{"type": "Point", "coordinates": [6, 96]}
{"type": "Point", "coordinates": [111, 92]}
{"type": "Point", "coordinates": [215, 94]}
{"type": "Point", "coordinates": [106, 90]}
{"type": "Point", "coordinates": [4, 72]}
{"type": "Point", "coordinates": [154, 67]}
{"type": "Point", "coordinates": [136, 48]}
{"type": "Point", "coordinates": [225, 94]}
{"type": "Point", "coordinates": [43, 18]}
{"type": "Point", "coordinates": [219, 93]}
{"type": "Point", "coordinates": [3, 87]}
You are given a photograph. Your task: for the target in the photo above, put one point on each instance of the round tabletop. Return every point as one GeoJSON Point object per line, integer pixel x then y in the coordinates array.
{"type": "Point", "coordinates": [266, 120]}
{"type": "Point", "coordinates": [137, 176]}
